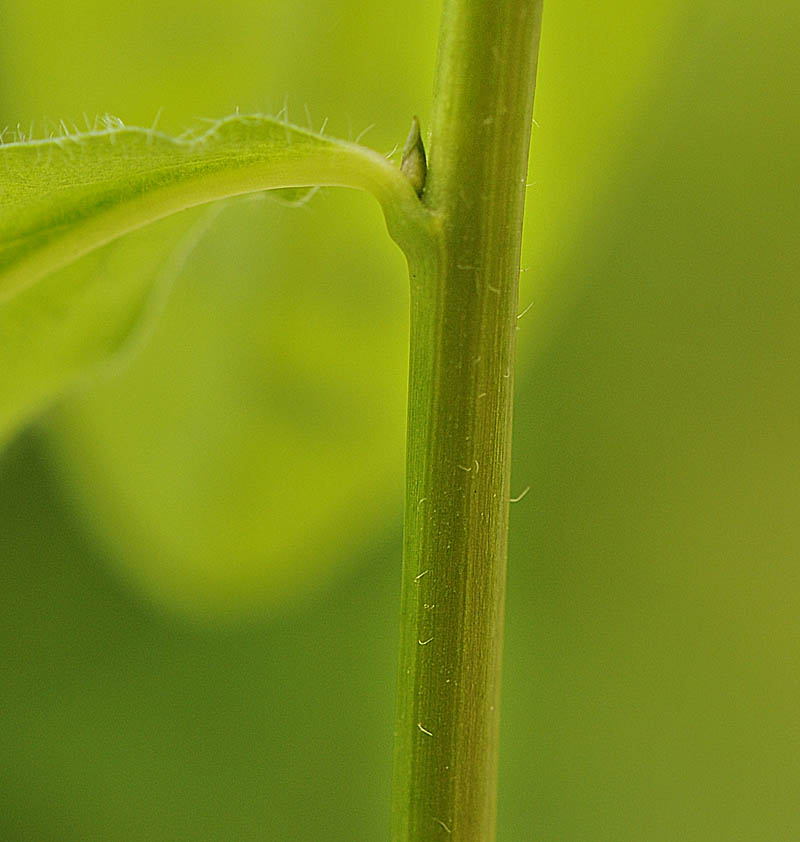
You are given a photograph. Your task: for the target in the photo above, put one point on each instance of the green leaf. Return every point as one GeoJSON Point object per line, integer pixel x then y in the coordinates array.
{"type": "Point", "coordinates": [256, 441]}
{"type": "Point", "coordinates": [96, 310]}
{"type": "Point", "coordinates": [62, 199]}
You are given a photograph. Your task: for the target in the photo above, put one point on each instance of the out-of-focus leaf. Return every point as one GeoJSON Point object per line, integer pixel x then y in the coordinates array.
{"type": "Point", "coordinates": [258, 437]}
{"type": "Point", "coordinates": [96, 309]}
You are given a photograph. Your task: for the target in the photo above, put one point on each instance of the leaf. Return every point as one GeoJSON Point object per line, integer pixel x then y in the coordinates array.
{"type": "Point", "coordinates": [96, 310]}
{"type": "Point", "coordinates": [63, 198]}
{"type": "Point", "coordinates": [256, 441]}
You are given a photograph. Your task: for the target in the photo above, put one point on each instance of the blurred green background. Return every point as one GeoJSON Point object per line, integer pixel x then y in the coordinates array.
{"type": "Point", "coordinates": [200, 556]}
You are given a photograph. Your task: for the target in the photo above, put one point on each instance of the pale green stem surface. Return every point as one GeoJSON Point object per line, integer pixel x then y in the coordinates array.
{"type": "Point", "coordinates": [463, 325]}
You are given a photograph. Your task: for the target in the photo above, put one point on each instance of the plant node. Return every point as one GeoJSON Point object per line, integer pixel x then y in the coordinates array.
{"type": "Point", "coordinates": [413, 163]}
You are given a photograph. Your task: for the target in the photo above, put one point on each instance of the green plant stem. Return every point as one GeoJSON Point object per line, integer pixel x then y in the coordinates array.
{"type": "Point", "coordinates": [463, 326]}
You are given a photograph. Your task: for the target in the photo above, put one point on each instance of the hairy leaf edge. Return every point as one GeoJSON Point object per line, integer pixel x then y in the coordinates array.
{"type": "Point", "coordinates": [322, 161]}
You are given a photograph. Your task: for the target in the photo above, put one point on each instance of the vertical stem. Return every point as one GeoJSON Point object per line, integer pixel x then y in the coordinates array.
{"type": "Point", "coordinates": [463, 329]}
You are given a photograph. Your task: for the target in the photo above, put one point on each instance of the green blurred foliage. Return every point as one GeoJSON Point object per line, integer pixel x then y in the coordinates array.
{"type": "Point", "coordinates": [244, 473]}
